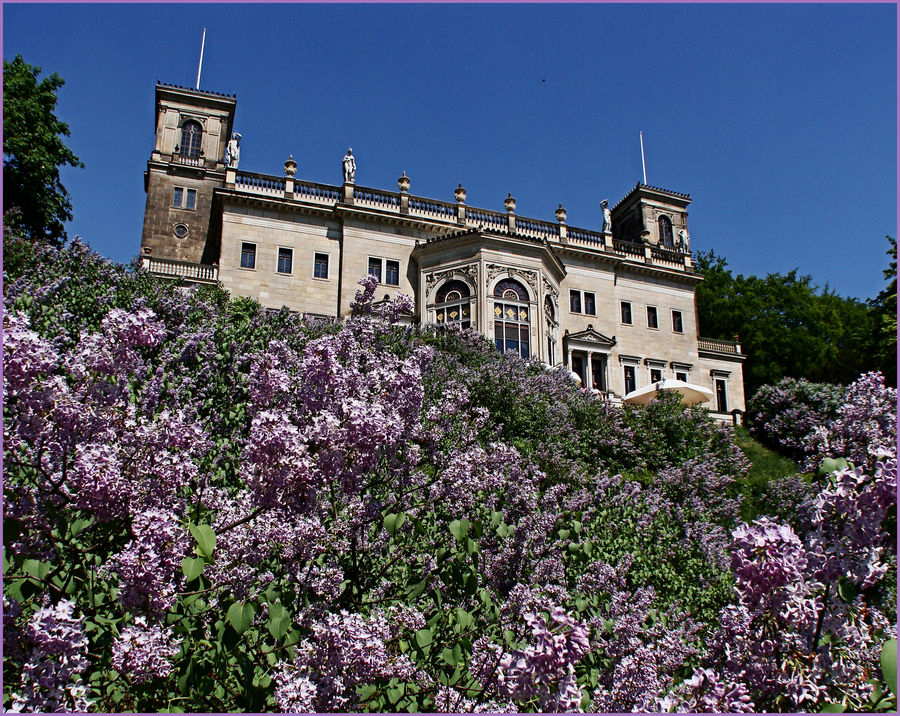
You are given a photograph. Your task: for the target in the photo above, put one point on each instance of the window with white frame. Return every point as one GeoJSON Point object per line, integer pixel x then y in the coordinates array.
{"type": "Point", "coordinates": [677, 322]}
{"type": "Point", "coordinates": [320, 266]}
{"type": "Point", "coordinates": [285, 260]}
{"type": "Point", "coordinates": [626, 312]}
{"type": "Point", "coordinates": [248, 255]}
{"type": "Point", "coordinates": [453, 305]}
{"type": "Point", "coordinates": [652, 318]}
{"type": "Point", "coordinates": [386, 271]}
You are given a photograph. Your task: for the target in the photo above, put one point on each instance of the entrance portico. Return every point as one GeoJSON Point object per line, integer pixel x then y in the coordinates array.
{"type": "Point", "coordinates": [587, 354]}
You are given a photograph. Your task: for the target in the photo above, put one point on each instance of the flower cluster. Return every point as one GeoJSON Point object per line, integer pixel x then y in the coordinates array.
{"type": "Point", "coordinates": [145, 651]}
{"type": "Point", "coordinates": [52, 674]}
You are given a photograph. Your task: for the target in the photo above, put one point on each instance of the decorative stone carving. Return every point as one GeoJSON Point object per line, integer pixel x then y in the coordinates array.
{"type": "Point", "coordinates": [460, 194]}
{"type": "Point", "coordinates": [529, 277]}
{"type": "Point", "coordinates": [510, 204]}
{"type": "Point", "coordinates": [403, 183]}
{"type": "Point", "coordinates": [684, 241]}
{"type": "Point", "coordinates": [233, 151]}
{"type": "Point", "coordinates": [550, 290]}
{"type": "Point", "coordinates": [561, 214]}
{"type": "Point", "coordinates": [290, 166]}
{"type": "Point", "coordinates": [469, 272]}
{"type": "Point", "coordinates": [349, 167]}
{"type": "Point", "coordinates": [607, 217]}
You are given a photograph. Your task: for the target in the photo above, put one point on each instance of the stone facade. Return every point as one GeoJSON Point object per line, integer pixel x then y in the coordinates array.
{"type": "Point", "coordinates": [616, 307]}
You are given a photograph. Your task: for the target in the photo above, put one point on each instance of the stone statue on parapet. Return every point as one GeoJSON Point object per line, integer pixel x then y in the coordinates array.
{"type": "Point", "coordinates": [233, 151]}
{"type": "Point", "coordinates": [349, 165]}
{"type": "Point", "coordinates": [684, 240]}
{"type": "Point", "coordinates": [607, 217]}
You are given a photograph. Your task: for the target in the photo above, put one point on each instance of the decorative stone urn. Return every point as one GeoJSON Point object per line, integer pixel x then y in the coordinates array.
{"type": "Point", "coordinates": [290, 166]}
{"type": "Point", "coordinates": [510, 204]}
{"type": "Point", "coordinates": [403, 183]}
{"type": "Point", "coordinates": [460, 194]}
{"type": "Point", "coordinates": [561, 214]}
{"type": "Point", "coordinates": [645, 238]}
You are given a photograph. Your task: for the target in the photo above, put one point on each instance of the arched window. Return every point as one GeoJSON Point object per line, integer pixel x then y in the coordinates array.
{"type": "Point", "coordinates": [453, 304]}
{"type": "Point", "coordinates": [512, 324]}
{"type": "Point", "coordinates": [191, 134]}
{"type": "Point", "coordinates": [665, 232]}
{"type": "Point", "coordinates": [550, 318]}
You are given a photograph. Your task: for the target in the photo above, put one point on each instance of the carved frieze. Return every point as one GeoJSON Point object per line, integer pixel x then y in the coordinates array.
{"type": "Point", "coordinates": [529, 277]}
{"type": "Point", "coordinates": [469, 273]}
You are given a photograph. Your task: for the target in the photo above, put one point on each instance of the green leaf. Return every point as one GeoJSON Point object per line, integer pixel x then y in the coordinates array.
{"type": "Point", "coordinates": [240, 616]}
{"type": "Point", "coordinates": [192, 567]}
{"type": "Point", "coordinates": [832, 709]}
{"type": "Point", "coordinates": [279, 620]}
{"type": "Point", "coordinates": [459, 528]}
{"type": "Point", "coordinates": [889, 664]}
{"type": "Point", "coordinates": [463, 618]}
{"type": "Point", "coordinates": [366, 691]}
{"type": "Point", "coordinates": [424, 637]}
{"type": "Point", "coordinates": [394, 522]}
{"type": "Point", "coordinates": [36, 568]}
{"type": "Point", "coordinates": [451, 656]}
{"type": "Point", "coordinates": [206, 539]}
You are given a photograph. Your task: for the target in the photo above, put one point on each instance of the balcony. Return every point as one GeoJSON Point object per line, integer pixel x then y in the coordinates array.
{"type": "Point", "coordinates": [713, 345]}
{"type": "Point", "coordinates": [184, 270]}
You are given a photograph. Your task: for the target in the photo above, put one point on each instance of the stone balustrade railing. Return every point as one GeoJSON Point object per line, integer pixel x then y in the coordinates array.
{"type": "Point", "coordinates": [259, 183]}
{"type": "Point", "coordinates": [718, 346]}
{"type": "Point", "coordinates": [416, 206]}
{"type": "Point", "coordinates": [189, 161]}
{"type": "Point", "coordinates": [201, 273]}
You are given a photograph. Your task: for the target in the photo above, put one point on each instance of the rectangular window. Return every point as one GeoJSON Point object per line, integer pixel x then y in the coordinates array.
{"type": "Point", "coordinates": [626, 312]}
{"type": "Point", "coordinates": [248, 255]}
{"type": "Point", "coordinates": [652, 321]}
{"type": "Point", "coordinates": [655, 375]}
{"type": "Point", "coordinates": [677, 324]}
{"type": "Point", "coordinates": [721, 396]}
{"type": "Point", "coordinates": [184, 198]}
{"type": "Point", "coordinates": [681, 376]}
{"type": "Point", "coordinates": [590, 305]}
{"type": "Point", "coordinates": [190, 199]}
{"type": "Point", "coordinates": [178, 197]}
{"type": "Point", "coordinates": [320, 268]}
{"type": "Point", "coordinates": [375, 268]}
{"type": "Point", "coordinates": [575, 301]}
{"type": "Point", "coordinates": [630, 383]}
{"type": "Point", "coordinates": [285, 260]}
{"type": "Point", "coordinates": [392, 272]}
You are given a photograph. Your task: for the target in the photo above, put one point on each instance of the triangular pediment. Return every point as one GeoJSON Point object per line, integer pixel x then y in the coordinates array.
{"type": "Point", "coordinates": [590, 337]}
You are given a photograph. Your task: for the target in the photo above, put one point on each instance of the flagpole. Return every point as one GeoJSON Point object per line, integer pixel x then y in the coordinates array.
{"type": "Point", "coordinates": [643, 164]}
{"type": "Point", "coordinates": [200, 66]}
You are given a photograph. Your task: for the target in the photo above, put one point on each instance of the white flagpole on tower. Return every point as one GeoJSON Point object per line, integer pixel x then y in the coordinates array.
{"type": "Point", "coordinates": [643, 164]}
{"type": "Point", "coordinates": [200, 66]}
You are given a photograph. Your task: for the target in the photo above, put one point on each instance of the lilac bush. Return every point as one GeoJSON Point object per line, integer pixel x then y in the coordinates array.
{"type": "Point", "coordinates": [213, 507]}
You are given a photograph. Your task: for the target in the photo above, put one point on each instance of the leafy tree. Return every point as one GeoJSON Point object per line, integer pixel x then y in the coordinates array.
{"type": "Point", "coordinates": [885, 307]}
{"type": "Point", "coordinates": [787, 326]}
{"type": "Point", "coordinates": [35, 203]}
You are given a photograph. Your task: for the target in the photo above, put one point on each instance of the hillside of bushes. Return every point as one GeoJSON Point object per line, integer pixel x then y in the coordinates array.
{"type": "Point", "coordinates": [213, 507]}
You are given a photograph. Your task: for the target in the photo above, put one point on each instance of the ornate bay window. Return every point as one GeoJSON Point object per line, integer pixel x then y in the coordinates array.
{"type": "Point", "coordinates": [453, 305]}
{"type": "Point", "coordinates": [512, 318]}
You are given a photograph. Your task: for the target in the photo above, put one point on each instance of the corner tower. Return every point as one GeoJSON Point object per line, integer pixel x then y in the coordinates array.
{"type": "Point", "coordinates": [648, 214]}
{"type": "Point", "coordinates": [187, 164]}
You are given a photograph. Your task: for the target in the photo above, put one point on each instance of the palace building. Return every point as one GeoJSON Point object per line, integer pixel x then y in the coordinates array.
{"type": "Point", "coordinates": [616, 306]}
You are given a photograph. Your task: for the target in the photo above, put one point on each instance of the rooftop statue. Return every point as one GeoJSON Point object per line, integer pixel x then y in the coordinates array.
{"type": "Point", "coordinates": [233, 151]}
{"type": "Point", "coordinates": [607, 217]}
{"type": "Point", "coordinates": [349, 165]}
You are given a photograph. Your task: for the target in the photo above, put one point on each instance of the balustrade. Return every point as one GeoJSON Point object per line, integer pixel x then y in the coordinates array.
{"type": "Point", "coordinates": [317, 192]}
{"type": "Point", "coordinates": [628, 247]}
{"type": "Point", "coordinates": [443, 210]}
{"type": "Point", "coordinates": [181, 269]}
{"type": "Point", "coordinates": [713, 344]}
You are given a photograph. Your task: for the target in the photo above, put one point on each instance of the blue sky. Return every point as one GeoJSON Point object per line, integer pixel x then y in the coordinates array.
{"type": "Point", "coordinates": [779, 120]}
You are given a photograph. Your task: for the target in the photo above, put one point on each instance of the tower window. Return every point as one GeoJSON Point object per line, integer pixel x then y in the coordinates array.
{"type": "Point", "coordinates": [285, 260]}
{"type": "Point", "coordinates": [375, 268]}
{"type": "Point", "coordinates": [665, 232]}
{"type": "Point", "coordinates": [184, 198]}
{"type": "Point", "coordinates": [626, 312]}
{"type": "Point", "coordinates": [677, 323]}
{"type": "Point", "coordinates": [652, 320]}
{"type": "Point", "coordinates": [392, 272]}
{"type": "Point", "coordinates": [191, 134]}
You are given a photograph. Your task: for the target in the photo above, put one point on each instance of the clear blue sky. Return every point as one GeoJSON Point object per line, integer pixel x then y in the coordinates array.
{"type": "Point", "coordinates": [779, 120]}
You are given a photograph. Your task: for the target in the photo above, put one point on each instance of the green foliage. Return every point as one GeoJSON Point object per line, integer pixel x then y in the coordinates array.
{"type": "Point", "coordinates": [884, 306]}
{"type": "Point", "coordinates": [787, 326]}
{"type": "Point", "coordinates": [35, 203]}
{"type": "Point", "coordinates": [766, 465]}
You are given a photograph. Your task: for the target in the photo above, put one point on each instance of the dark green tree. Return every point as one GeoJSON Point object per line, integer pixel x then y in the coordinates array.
{"type": "Point", "coordinates": [35, 203]}
{"type": "Point", "coordinates": [788, 327]}
{"type": "Point", "coordinates": [884, 306]}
